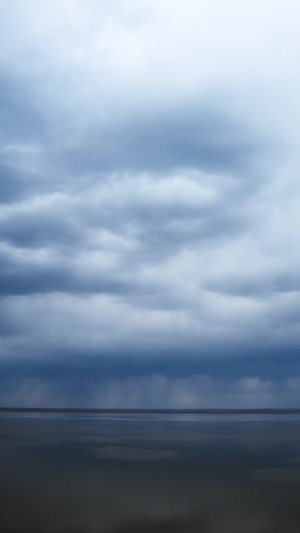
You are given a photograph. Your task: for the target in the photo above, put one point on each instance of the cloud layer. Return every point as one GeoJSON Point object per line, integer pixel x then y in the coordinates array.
{"type": "Point", "coordinates": [149, 203]}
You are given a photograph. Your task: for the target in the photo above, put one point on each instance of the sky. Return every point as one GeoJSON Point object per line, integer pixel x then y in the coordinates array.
{"type": "Point", "coordinates": [149, 203]}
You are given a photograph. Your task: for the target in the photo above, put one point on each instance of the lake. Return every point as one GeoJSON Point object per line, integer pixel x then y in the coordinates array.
{"type": "Point", "coordinates": [140, 472]}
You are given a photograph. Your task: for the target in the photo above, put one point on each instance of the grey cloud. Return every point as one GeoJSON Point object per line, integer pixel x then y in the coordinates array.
{"type": "Point", "coordinates": [288, 282]}
{"type": "Point", "coordinates": [259, 285]}
{"type": "Point", "coordinates": [145, 217]}
{"type": "Point", "coordinates": [155, 216]}
{"type": "Point", "coordinates": [20, 118]}
{"type": "Point", "coordinates": [12, 187]}
{"type": "Point", "coordinates": [18, 279]}
{"type": "Point", "coordinates": [40, 230]}
{"type": "Point", "coordinates": [160, 240]}
{"type": "Point", "coordinates": [25, 277]}
{"type": "Point", "coordinates": [7, 326]}
{"type": "Point", "coordinates": [186, 136]}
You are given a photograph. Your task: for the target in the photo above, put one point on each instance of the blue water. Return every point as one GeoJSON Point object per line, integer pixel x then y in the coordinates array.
{"type": "Point", "coordinates": [149, 472]}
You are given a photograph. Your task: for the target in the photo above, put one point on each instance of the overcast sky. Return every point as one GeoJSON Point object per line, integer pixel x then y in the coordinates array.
{"type": "Point", "coordinates": [150, 203]}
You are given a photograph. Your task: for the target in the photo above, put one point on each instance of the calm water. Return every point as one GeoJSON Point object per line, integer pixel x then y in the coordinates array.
{"type": "Point", "coordinates": [143, 473]}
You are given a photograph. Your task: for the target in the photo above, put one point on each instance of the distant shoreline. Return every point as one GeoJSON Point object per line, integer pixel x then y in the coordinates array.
{"type": "Point", "coordinates": [45, 410]}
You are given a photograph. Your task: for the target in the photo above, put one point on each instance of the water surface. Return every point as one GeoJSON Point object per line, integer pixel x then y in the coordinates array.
{"type": "Point", "coordinates": [113, 473]}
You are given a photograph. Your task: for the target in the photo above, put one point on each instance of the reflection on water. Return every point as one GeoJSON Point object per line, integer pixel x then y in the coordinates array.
{"type": "Point", "coordinates": [141, 473]}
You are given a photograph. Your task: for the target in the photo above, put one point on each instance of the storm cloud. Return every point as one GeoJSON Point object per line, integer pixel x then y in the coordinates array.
{"type": "Point", "coordinates": [149, 204]}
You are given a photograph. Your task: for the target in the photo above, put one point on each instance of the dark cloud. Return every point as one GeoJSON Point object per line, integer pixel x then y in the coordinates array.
{"type": "Point", "coordinates": [232, 363]}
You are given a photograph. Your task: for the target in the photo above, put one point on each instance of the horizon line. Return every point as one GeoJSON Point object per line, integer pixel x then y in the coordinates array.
{"type": "Point", "coordinates": [262, 410]}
